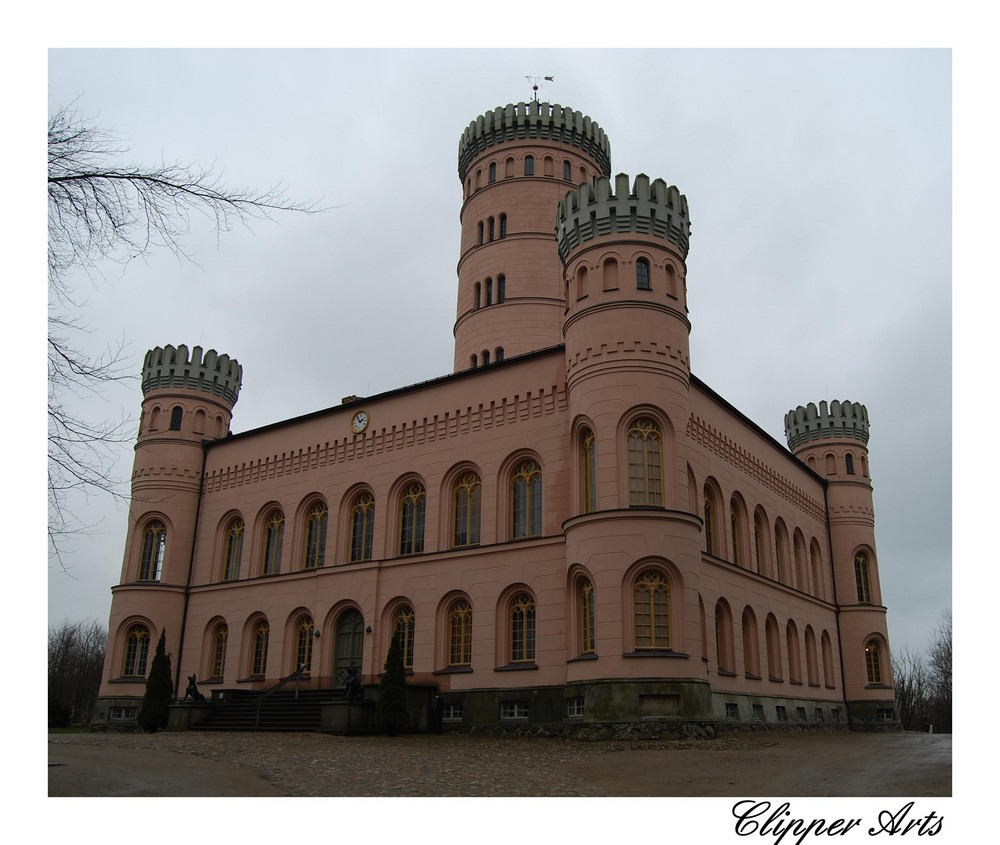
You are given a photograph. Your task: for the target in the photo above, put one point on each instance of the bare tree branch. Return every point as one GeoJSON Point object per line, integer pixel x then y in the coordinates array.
{"type": "Point", "coordinates": [101, 210]}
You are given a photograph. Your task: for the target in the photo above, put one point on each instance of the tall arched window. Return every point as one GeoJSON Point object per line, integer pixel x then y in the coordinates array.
{"type": "Point", "coordinates": [588, 471]}
{"type": "Point", "coordinates": [274, 534]}
{"type": "Point", "coordinates": [176, 415]}
{"type": "Point", "coordinates": [794, 659]}
{"type": "Point", "coordinates": [651, 611]}
{"type": "Point", "coordinates": [503, 230]}
{"type": "Point", "coordinates": [585, 608]}
{"type": "Point", "coordinates": [760, 542]}
{"type": "Point", "coordinates": [501, 288]}
{"type": "Point", "coordinates": [411, 522]}
{"type": "Point", "coordinates": [404, 621]}
{"type": "Point", "coordinates": [136, 651]}
{"type": "Point", "coordinates": [849, 461]}
{"type": "Point", "coordinates": [645, 464]}
{"type": "Point", "coordinates": [154, 547]}
{"type": "Point", "coordinates": [259, 640]}
{"type": "Point", "coordinates": [362, 527]}
{"type": "Point", "coordinates": [781, 552]}
{"type": "Point", "coordinates": [489, 291]}
{"type": "Point", "coordinates": [812, 663]}
{"type": "Point", "coordinates": [304, 644]}
{"type": "Point", "coordinates": [467, 503]}
{"type": "Point", "coordinates": [861, 577]}
{"type": "Point", "coordinates": [724, 639]}
{"type": "Point", "coordinates": [642, 274]}
{"type": "Point", "coordinates": [316, 536]}
{"type": "Point", "coordinates": [491, 226]}
{"type": "Point", "coordinates": [220, 638]}
{"type": "Point", "coordinates": [234, 550]}
{"type": "Point", "coordinates": [567, 171]}
{"type": "Point", "coordinates": [773, 639]}
{"type": "Point", "coordinates": [751, 650]}
{"type": "Point", "coordinates": [478, 298]}
{"type": "Point", "coordinates": [827, 647]}
{"type": "Point", "coordinates": [736, 530]}
{"type": "Point", "coordinates": [873, 661]}
{"type": "Point", "coordinates": [815, 560]}
{"type": "Point", "coordinates": [526, 501]}
{"type": "Point", "coordinates": [493, 171]}
{"type": "Point", "coordinates": [529, 165]}
{"type": "Point", "coordinates": [349, 648]}
{"type": "Point", "coordinates": [460, 634]}
{"type": "Point", "coordinates": [799, 547]}
{"type": "Point", "coordinates": [480, 236]}
{"type": "Point", "coordinates": [522, 629]}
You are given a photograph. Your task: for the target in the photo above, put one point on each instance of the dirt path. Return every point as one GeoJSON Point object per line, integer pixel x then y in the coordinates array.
{"type": "Point", "coordinates": [219, 764]}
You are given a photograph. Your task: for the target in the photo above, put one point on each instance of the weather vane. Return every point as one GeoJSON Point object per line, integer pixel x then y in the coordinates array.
{"type": "Point", "coordinates": [534, 80]}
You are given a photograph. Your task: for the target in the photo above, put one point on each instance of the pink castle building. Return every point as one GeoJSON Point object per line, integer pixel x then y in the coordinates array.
{"type": "Point", "coordinates": [570, 531]}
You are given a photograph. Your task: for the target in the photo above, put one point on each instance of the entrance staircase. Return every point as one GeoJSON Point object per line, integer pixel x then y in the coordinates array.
{"type": "Point", "coordinates": [281, 710]}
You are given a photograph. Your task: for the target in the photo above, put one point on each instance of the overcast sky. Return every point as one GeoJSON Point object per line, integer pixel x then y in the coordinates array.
{"type": "Point", "coordinates": [819, 184]}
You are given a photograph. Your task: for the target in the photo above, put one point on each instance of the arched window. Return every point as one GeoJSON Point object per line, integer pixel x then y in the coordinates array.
{"type": "Point", "coordinates": [480, 241]}
{"type": "Point", "coordinates": [486, 357]}
{"type": "Point", "coordinates": [588, 471]}
{"type": "Point", "coordinates": [154, 547]}
{"type": "Point", "coordinates": [526, 501]}
{"type": "Point", "coordinates": [467, 501]}
{"type": "Point", "coordinates": [799, 546]}
{"type": "Point", "coordinates": [316, 536]}
{"type": "Point", "coordinates": [873, 661]}
{"type": "Point", "coordinates": [460, 634]}
{"type": "Point", "coordinates": [736, 530]}
{"type": "Point", "coordinates": [404, 621]}
{"type": "Point", "coordinates": [642, 274]}
{"type": "Point", "coordinates": [645, 464]}
{"type": "Point", "coordinates": [503, 228]}
{"type": "Point", "coordinates": [478, 297]}
{"type": "Point", "coordinates": [489, 291]}
{"type": "Point", "coordinates": [362, 527]}
{"type": "Point", "coordinates": [529, 165]}
{"type": "Point", "coordinates": [234, 550]}
{"type": "Point", "coordinates": [817, 573]}
{"type": "Point", "coordinates": [773, 639]}
{"type": "Point", "coordinates": [501, 288]}
{"type": "Point", "coordinates": [760, 542]}
{"type": "Point", "coordinates": [491, 227]}
{"type": "Point", "coordinates": [585, 608]}
{"type": "Point", "coordinates": [493, 171]}
{"type": "Point", "coordinates": [567, 171]}
{"type": "Point", "coordinates": [861, 577]}
{"type": "Point", "coordinates": [827, 648]}
{"type": "Point", "coordinates": [136, 651]}
{"type": "Point", "coordinates": [474, 361]}
{"type": "Point", "coordinates": [849, 460]}
{"type": "Point", "coordinates": [751, 650]}
{"type": "Point", "coordinates": [220, 638]}
{"type": "Point", "coordinates": [522, 629]}
{"type": "Point", "coordinates": [304, 644]}
{"type": "Point", "coordinates": [651, 611]}
{"type": "Point", "coordinates": [411, 530]}
{"type": "Point", "coordinates": [274, 534]}
{"type": "Point", "coordinates": [724, 639]}
{"type": "Point", "coordinates": [349, 648]}
{"type": "Point", "coordinates": [812, 667]}
{"type": "Point", "coordinates": [259, 639]}
{"type": "Point", "coordinates": [781, 552]}
{"type": "Point", "coordinates": [498, 355]}
{"type": "Point", "coordinates": [794, 660]}
{"type": "Point", "coordinates": [176, 415]}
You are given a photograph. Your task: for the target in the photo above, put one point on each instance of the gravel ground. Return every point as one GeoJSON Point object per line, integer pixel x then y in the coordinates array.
{"type": "Point", "coordinates": [461, 765]}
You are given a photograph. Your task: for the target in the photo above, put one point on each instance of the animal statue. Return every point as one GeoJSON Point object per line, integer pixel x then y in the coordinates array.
{"type": "Point", "coordinates": [192, 690]}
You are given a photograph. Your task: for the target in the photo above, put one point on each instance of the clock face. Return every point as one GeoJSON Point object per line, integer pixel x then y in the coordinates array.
{"type": "Point", "coordinates": [359, 422]}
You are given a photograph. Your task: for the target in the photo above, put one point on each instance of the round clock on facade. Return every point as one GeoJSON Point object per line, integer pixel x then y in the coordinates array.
{"type": "Point", "coordinates": [359, 422]}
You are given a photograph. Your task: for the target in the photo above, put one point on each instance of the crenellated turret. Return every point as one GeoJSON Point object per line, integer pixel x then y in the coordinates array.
{"type": "Point", "coordinates": [837, 421]}
{"type": "Point", "coordinates": [534, 120]}
{"type": "Point", "coordinates": [647, 208]}
{"type": "Point", "coordinates": [832, 439]}
{"type": "Point", "coordinates": [516, 162]}
{"type": "Point", "coordinates": [208, 372]}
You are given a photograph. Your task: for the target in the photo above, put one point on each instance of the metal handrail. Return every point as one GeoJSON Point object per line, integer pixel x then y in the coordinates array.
{"type": "Point", "coordinates": [296, 675]}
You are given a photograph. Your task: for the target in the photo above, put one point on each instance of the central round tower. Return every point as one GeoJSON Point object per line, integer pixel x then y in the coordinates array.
{"type": "Point", "coordinates": [516, 163]}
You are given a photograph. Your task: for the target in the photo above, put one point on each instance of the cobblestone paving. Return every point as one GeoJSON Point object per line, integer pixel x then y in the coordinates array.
{"type": "Point", "coordinates": [419, 766]}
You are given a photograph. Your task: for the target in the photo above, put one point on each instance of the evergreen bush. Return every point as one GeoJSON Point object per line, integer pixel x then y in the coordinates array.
{"type": "Point", "coordinates": [159, 690]}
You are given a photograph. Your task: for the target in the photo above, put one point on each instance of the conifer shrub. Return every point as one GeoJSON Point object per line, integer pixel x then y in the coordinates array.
{"type": "Point", "coordinates": [159, 690]}
{"type": "Point", "coordinates": [391, 711]}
